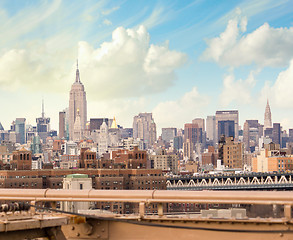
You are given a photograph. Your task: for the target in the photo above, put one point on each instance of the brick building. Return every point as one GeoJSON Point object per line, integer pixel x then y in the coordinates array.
{"type": "Point", "coordinates": [87, 158]}
{"type": "Point", "coordinates": [210, 157]}
{"type": "Point", "coordinates": [132, 159]}
{"type": "Point", "coordinates": [21, 160]}
{"type": "Point", "coordinates": [105, 179]}
{"type": "Point", "coordinates": [272, 160]}
{"type": "Point", "coordinates": [233, 153]}
{"type": "Point", "coordinates": [69, 161]}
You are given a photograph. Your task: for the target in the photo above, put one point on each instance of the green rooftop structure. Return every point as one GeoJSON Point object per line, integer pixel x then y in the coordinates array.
{"type": "Point", "coordinates": [77, 175]}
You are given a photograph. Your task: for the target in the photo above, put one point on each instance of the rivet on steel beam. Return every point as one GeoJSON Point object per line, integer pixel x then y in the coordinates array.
{"type": "Point", "coordinates": [77, 234]}
{"type": "Point", "coordinates": [72, 227]}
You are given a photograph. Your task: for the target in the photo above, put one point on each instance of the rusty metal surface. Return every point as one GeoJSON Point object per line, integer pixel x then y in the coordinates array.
{"type": "Point", "coordinates": [24, 234]}
{"type": "Point", "coordinates": [125, 231]}
{"type": "Point", "coordinates": [35, 222]}
{"type": "Point", "coordinates": [152, 229]}
{"type": "Point", "coordinates": [92, 229]}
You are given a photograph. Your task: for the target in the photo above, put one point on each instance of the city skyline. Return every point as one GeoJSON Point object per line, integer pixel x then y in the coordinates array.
{"type": "Point", "coordinates": [211, 64]}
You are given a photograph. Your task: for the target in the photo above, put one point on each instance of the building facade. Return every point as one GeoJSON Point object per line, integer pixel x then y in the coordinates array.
{"type": "Point", "coordinates": [144, 128]}
{"type": "Point", "coordinates": [227, 122]}
{"type": "Point", "coordinates": [272, 161]}
{"type": "Point", "coordinates": [164, 161]}
{"type": "Point", "coordinates": [233, 154]}
{"type": "Point", "coordinates": [77, 102]}
{"type": "Point", "coordinates": [211, 128]}
{"type": "Point", "coordinates": [168, 134]}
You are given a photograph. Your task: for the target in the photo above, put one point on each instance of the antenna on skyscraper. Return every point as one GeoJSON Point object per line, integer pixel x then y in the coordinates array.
{"type": "Point", "coordinates": [77, 79]}
{"type": "Point", "coordinates": [43, 109]}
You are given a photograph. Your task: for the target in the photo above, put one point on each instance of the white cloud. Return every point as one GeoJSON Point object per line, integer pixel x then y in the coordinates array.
{"type": "Point", "coordinates": [266, 46]}
{"type": "Point", "coordinates": [157, 17]}
{"type": "Point", "coordinates": [252, 8]}
{"type": "Point", "coordinates": [128, 65]}
{"type": "Point", "coordinates": [280, 93]}
{"type": "Point", "coordinates": [107, 22]}
{"type": "Point", "coordinates": [286, 123]}
{"type": "Point", "coordinates": [217, 46]}
{"type": "Point", "coordinates": [237, 91]}
{"type": "Point", "coordinates": [176, 113]}
{"type": "Point", "coordinates": [36, 68]}
{"type": "Point", "coordinates": [109, 11]}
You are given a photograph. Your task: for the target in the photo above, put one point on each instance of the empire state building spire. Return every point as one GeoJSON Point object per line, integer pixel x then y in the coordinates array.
{"type": "Point", "coordinates": [268, 116]}
{"type": "Point", "coordinates": [77, 78]}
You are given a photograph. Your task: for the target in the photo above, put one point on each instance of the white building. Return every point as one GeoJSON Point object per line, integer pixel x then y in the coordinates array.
{"type": "Point", "coordinates": [76, 182]}
{"type": "Point", "coordinates": [211, 127]}
{"type": "Point", "coordinates": [103, 139]}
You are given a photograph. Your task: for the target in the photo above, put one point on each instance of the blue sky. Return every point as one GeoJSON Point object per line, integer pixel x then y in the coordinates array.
{"type": "Point", "coordinates": [178, 59]}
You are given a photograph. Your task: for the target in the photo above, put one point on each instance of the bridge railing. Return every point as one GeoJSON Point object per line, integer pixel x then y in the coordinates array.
{"type": "Point", "coordinates": [145, 197]}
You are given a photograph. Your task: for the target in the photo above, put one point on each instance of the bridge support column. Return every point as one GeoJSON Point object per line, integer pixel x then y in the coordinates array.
{"type": "Point", "coordinates": [33, 209]}
{"type": "Point", "coordinates": [141, 209]}
{"type": "Point", "coordinates": [160, 209]}
{"type": "Point", "coordinates": [287, 211]}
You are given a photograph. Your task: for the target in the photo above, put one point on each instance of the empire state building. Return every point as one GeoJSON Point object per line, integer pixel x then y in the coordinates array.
{"type": "Point", "coordinates": [77, 105]}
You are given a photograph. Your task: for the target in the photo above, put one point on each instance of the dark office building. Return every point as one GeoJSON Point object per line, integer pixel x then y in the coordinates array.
{"type": "Point", "coordinates": [268, 132]}
{"type": "Point", "coordinates": [126, 132]}
{"type": "Point", "coordinates": [277, 133]}
{"type": "Point", "coordinates": [95, 123]}
{"type": "Point", "coordinates": [226, 128]}
{"type": "Point", "coordinates": [178, 142]}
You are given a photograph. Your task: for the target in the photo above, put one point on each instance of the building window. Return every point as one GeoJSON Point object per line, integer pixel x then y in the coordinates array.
{"type": "Point", "coordinates": [80, 186]}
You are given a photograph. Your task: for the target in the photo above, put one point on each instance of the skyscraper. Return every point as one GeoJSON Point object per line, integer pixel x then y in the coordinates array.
{"type": "Point", "coordinates": [168, 134]}
{"type": "Point", "coordinates": [62, 124]}
{"type": "Point", "coordinates": [43, 125]}
{"type": "Point", "coordinates": [77, 128]}
{"type": "Point", "coordinates": [200, 123]}
{"type": "Point", "coordinates": [103, 141]}
{"type": "Point", "coordinates": [268, 117]}
{"type": "Point", "coordinates": [193, 133]}
{"type": "Point", "coordinates": [226, 128]}
{"type": "Point", "coordinates": [277, 133]}
{"type": "Point", "coordinates": [77, 100]}
{"type": "Point", "coordinates": [144, 128]}
{"type": "Point", "coordinates": [252, 131]}
{"type": "Point", "coordinates": [20, 130]}
{"type": "Point", "coordinates": [225, 120]}
{"type": "Point", "coordinates": [211, 127]}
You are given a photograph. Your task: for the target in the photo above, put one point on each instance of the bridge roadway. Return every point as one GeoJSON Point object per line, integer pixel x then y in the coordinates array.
{"type": "Point", "coordinates": [245, 181]}
{"type": "Point", "coordinates": [51, 223]}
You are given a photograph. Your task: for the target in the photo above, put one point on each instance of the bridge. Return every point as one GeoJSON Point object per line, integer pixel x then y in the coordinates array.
{"type": "Point", "coordinates": [246, 181]}
{"type": "Point", "coordinates": [44, 220]}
